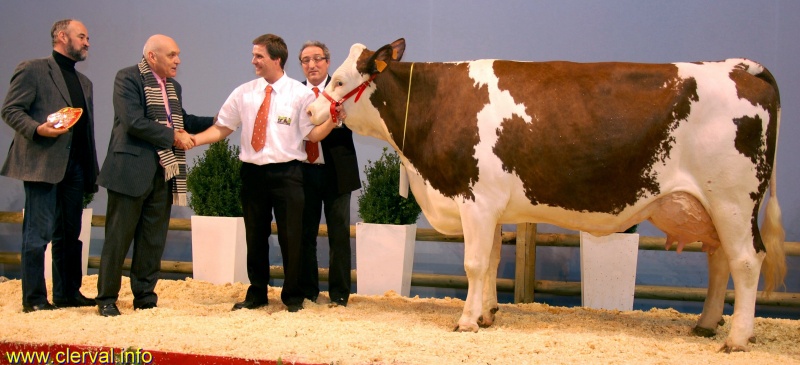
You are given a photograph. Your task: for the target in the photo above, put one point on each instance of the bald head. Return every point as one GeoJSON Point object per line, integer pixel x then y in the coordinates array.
{"type": "Point", "coordinates": [157, 42]}
{"type": "Point", "coordinates": [162, 55]}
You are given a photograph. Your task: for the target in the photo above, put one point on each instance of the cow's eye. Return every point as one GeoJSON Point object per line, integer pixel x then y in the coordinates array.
{"type": "Point", "coordinates": [339, 83]}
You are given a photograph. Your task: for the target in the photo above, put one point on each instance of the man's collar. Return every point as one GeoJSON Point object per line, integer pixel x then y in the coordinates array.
{"type": "Point", "coordinates": [161, 81]}
{"type": "Point", "coordinates": [64, 61]}
{"type": "Point", "coordinates": [321, 85]}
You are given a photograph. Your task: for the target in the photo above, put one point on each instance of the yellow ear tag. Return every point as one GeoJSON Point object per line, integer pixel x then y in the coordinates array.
{"type": "Point", "coordinates": [380, 65]}
{"type": "Point", "coordinates": [394, 54]}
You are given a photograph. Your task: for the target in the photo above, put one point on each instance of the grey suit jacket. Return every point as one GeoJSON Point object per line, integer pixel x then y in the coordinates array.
{"type": "Point", "coordinates": [37, 90]}
{"type": "Point", "coordinates": [132, 157]}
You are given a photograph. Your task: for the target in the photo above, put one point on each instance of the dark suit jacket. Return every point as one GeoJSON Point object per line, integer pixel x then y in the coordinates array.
{"type": "Point", "coordinates": [132, 157]}
{"type": "Point", "coordinates": [37, 90]}
{"type": "Point", "coordinates": [339, 153]}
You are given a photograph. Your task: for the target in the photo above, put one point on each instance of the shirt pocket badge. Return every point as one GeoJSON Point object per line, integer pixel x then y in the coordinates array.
{"type": "Point", "coordinates": [284, 120]}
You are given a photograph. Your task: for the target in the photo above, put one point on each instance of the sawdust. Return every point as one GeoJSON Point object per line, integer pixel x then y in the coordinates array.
{"type": "Point", "coordinates": [195, 317]}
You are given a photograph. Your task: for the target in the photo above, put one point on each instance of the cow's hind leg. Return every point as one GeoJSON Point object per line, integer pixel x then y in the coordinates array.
{"type": "Point", "coordinates": [718, 274]}
{"type": "Point", "coordinates": [478, 242]}
{"type": "Point", "coordinates": [490, 283]}
{"type": "Point", "coordinates": [745, 267]}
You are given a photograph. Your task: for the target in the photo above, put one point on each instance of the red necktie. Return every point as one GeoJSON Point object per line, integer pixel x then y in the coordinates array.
{"type": "Point", "coordinates": [312, 148]}
{"type": "Point", "coordinates": [260, 127]}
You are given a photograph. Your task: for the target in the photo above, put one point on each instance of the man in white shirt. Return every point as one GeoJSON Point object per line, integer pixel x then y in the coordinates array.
{"type": "Point", "coordinates": [271, 110]}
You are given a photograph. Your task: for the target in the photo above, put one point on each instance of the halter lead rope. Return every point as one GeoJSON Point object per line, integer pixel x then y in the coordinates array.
{"type": "Point", "coordinates": [408, 102]}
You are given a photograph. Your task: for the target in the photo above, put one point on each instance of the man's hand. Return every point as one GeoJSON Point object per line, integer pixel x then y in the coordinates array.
{"type": "Point", "coordinates": [47, 129]}
{"type": "Point", "coordinates": [342, 115]}
{"type": "Point", "coordinates": [183, 140]}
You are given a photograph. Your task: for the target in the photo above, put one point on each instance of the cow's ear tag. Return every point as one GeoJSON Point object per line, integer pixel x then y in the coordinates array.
{"type": "Point", "coordinates": [403, 182]}
{"type": "Point", "coordinates": [394, 54]}
{"type": "Point", "coordinates": [380, 65]}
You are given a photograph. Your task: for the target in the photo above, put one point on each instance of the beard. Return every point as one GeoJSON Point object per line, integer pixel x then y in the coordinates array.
{"type": "Point", "coordinates": [77, 54]}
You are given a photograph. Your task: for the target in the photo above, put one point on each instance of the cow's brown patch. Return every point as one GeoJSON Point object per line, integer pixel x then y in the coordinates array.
{"type": "Point", "coordinates": [598, 130]}
{"type": "Point", "coordinates": [439, 141]}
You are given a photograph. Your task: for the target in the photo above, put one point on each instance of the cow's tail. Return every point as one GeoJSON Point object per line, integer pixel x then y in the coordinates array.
{"type": "Point", "coordinates": [773, 235]}
{"type": "Point", "coordinates": [774, 267]}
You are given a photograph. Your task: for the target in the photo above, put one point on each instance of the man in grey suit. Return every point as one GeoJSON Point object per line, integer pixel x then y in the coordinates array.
{"type": "Point", "coordinates": [56, 164]}
{"type": "Point", "coordinates": [144, 172]}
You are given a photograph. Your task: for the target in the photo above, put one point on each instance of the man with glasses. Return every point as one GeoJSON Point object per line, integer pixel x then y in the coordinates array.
{"type": "Point", "coordinates": [330, 174]}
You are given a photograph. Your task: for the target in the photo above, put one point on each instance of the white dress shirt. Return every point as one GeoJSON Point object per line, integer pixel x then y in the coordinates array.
{"type": "Point", "coordinates": [287, 123]}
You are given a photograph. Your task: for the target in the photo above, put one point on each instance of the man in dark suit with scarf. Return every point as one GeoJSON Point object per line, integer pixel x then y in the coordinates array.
{"type": "Point", "coordinates": [330, 174]}
{"type": "Point", "coordinates": [144, 172]}
{"type": "Point", "coordinates": [57, 165]}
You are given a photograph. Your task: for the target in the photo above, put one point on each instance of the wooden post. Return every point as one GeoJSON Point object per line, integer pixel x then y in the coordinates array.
{"type": "Point", "coordinates": [524, 276]}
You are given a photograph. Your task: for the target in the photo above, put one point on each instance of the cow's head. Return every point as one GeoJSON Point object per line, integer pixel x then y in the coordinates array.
{"type": "Point", "coordinates": [351, 85]}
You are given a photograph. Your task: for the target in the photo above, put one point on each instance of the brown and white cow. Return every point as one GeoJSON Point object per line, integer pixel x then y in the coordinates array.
{"type": "Point", "coordinates": [595, 147]}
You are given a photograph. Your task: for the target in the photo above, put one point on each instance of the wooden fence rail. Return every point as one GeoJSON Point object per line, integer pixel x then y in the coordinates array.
{"type": "Point", "coordinates": [526, 239]}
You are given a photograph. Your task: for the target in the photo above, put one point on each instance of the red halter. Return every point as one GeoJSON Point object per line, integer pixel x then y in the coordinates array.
{"type": "Point", "coordinates": [357, 91]}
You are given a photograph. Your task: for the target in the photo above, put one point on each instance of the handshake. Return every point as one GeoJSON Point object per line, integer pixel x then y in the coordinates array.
{"type": "Point", "coordinates": [184, 140]}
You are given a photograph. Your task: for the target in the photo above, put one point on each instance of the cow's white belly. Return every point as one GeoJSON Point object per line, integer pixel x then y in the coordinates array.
{"type": "Point", "coordinates": [440, 211]}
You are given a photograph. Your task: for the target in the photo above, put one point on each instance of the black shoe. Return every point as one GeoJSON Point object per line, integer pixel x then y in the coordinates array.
{"type": "Point", "coordinates": [338, 302]}
{"type": "Point", "coordinates": [247, 304]}
{"type": "Point", "coordinates": [77, 301]}
{"type": "Point", "coordinates": [46, 306]}
{"type": "Point", "coordinates": [108, 310]}
{"type": "Point", "coordinates": [148, 305]}
{"type": "Point", "coordinates": [294, 307]}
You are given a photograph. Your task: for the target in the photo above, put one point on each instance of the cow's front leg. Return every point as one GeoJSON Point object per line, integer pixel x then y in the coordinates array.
{"type": "Point", "coordinates": [490, 282]}
{"type": "Point", "coordinates": [718, 274]}
{"type": "Point", "coordinates": [478, 241]}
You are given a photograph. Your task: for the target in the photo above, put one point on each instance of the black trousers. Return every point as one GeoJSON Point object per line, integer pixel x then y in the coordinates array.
{"type": "Point", "coordinates": [321, 191]}
{"type": "Point", "coordinates": [144, 220]}
{"type": "Point", "coordinates": [53, 213]}
{"type": "Point", "coordinates": [266, 188]}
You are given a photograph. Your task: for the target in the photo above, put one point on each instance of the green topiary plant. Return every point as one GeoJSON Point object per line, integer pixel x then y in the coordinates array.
{"type": "Point", "coordinates": [380, 201]}
{"type": "Point", "coordinates": [214, 183]}
{"type": "Point", "coordinates": [87, 199]}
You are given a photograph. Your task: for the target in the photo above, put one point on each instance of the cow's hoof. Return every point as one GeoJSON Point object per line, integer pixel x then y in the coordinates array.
{"type": "Point", "coordinates": [728, 348]}
{"type": "Point", "coordinates": [703, 332]}
{"type": "Point", "coordinates": [466, 328]}
{"type": "Point", "coordinates": [752, 339]}
{"type": "Point", "coordinates": [721, 322]}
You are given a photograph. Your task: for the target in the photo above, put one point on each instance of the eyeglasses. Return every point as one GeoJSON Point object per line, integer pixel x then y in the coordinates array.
{"type": "Point", "coordinates": [317, 59]}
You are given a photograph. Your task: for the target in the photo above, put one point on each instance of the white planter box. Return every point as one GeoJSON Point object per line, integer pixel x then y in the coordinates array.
{"type": "Point", "coordinates": [384, 258]}
{"type": "Point", "coordinates": [608, 270]}
{"type": "Point", "coordinates": [219, 249]}
{"type": "Point", "coordinates": [85, 237]}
